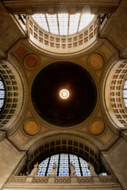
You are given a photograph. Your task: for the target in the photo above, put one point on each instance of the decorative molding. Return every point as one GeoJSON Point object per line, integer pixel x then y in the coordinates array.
{"type": "Point", "coordinates": [107, 179]}
{"type": "Point", "coordinates": [96, 126]}
{"type": "Point", "coordinates": [95, 61]}
{"type": "Point", "coordinates": [85, 179]}
{"type": "Point", "coordinates": [18, 179]}
{"type": "Point", "coordinates": [62, 180]}
{"type": "Point", "coordinates": [31, 126]}
{"type": "Point", "coordinates": [40, 180]}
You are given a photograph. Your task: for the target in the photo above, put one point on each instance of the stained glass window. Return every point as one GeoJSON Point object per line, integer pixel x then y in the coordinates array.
{"type": "Point", "coordinates": [63, 24]}
{"type": "Point", "coordinates": [63, 161]}
{"type": "Point", "coordinates": [125, 93]}
{"type": "Point", "coordinates": [2, 94]}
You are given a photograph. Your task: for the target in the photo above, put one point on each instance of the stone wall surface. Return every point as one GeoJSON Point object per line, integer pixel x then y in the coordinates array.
{"type": "Point", "coordinates": [9, 159]}
{"type": "Point", "coordinates": [9, 32]}
{"type": "Point", "coordinates": [117, 160]}
{"type": "Point", "coordinates": [116, 30]}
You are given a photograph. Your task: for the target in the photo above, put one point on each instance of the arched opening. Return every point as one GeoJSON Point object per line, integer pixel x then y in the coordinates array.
{"type": "Point", "coordinates": [57, 144]}
{"type": "Point", "coordinates": [115, 94]}
{"type": "Point", "coordinates": [63, 161]}
{"type": "Point", "coordinates": [12, 102]}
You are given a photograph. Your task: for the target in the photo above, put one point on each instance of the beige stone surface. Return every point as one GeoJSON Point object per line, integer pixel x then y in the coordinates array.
{"type": "Point", "coordinates": [20, 137]}
{"type": "Point", "coordinates": [107, 137]}
{"type": "Point", "coordinates": [9, 159]}
{"type": "Point", "coordinates": [20, 52]}
{"type": "Point", "coordinates": [106, 51]}
{"type": "Point", "coordinates": [117, 160]}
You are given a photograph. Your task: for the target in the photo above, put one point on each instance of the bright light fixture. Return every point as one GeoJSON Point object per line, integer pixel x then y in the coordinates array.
{"type": "Point", "coordinates": [64, 93]}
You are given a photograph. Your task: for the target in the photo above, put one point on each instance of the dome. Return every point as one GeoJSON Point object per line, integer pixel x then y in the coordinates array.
{"type": "Point", "coordinates": [64, 112]}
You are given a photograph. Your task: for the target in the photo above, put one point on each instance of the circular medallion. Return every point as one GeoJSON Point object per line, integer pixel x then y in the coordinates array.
{"type": "Point", "coordinates": [78, 87]}
{"type": "Point", "coordinates": [31, 127]}
{"type": "Point", "coordinates": [96, 61]}
{"type": "Point", "coordinates": [31, 61]}
{"type": "Point", "coordinates": [97, 127]}
{"type": "Point", "coordinates": [64, 93]}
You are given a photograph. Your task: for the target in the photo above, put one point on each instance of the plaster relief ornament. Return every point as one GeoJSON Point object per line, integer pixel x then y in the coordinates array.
{"type": "Point", "coordinates": [92, 170]}
{"type": "Point", "coordinates": [53, 172]}
{"type": "Point", "coordinates": [72, 168]}
{"type": "Point", "coordinates": [34, 170]}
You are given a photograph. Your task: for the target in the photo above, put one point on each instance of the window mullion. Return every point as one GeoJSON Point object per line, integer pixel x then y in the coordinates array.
{"type": "Point", "coordinates": [47, 166]}
{"type": "Point", "coordinates": [47, 22]}
{"type": "Point", "coordinates": [79, 22]}
{"type": "Point", "coordinates": [58, 24]}
{"type": "Point", "coordinates": [80, 167]}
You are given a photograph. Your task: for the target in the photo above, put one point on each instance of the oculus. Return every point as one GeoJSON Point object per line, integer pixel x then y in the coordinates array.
{"type": "Point", "coordinates": [64, 94]}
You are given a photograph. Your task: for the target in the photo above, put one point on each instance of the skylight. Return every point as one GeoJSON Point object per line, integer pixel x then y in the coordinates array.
{"type": "Point", "coordinates": [63, 24]}
{"type": "Point", "coordinates": [53, 24]}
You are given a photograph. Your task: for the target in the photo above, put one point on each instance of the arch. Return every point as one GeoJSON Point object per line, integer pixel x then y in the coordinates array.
{"type": "Point", "coordinates": [16, 94]}
{"type": "Point", "coordinates": [54, 142]}
{"type": "Point", "coordinates": [62, 162]}
{"type": "Point", "coordinates": [113, 102]}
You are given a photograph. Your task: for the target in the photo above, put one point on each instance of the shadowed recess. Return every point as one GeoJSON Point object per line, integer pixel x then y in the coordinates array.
{"type": "Point", "coordinates": [64, 112]}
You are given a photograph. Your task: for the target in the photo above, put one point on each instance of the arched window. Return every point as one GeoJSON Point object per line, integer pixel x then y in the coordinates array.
{"type": "Point", "coordinates": [63, 161]}
{"type": "Point", "coordinates": [2, 94]}
{"type": "Point", "coordinates": [125, 93]}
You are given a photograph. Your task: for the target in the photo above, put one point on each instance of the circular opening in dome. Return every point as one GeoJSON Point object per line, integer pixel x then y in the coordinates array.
{"type": "Point", "coordinates": [78, 87]}
{"type": "Point", "coordinates": [63, 24]}
{"type": "Point", "coordinates": [64, 94]}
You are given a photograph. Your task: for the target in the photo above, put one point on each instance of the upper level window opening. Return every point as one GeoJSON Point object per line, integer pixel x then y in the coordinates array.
{"type": "Point", "coordinates": [125, 93]}
{"type": "Point", "coordinates": [2, 94]}
{"type": "Point", "coordinates": [63, 161]}
{"type": "Point", "coordinates": [63, 24]}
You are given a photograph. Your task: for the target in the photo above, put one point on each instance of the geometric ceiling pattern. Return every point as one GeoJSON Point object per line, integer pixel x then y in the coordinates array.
{"type": "Point", "coordinates": [63, 24]}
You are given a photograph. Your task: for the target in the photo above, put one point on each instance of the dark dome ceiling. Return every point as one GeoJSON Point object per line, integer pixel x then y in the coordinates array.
{"type": "Point", "coordinates": [64, 112]}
